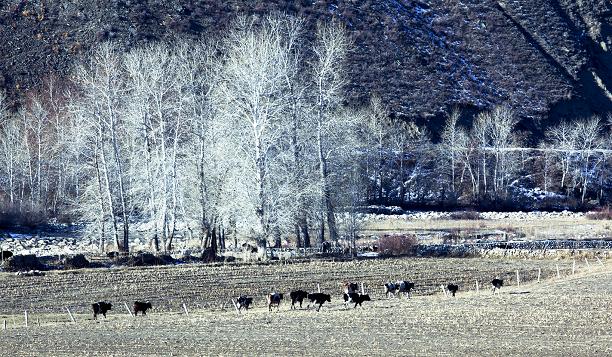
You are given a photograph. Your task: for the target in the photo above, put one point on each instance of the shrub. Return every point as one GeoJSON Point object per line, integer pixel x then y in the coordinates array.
{"type": "Point", "coordinates": [600, 214]}
{"type": "Point", "coordinates": [394, 245]}
{"type": "Point", "coordinates": [77, 262]}
{"type": "Point", "coordinates": [22, 263]}
{"type": "Point", "coordinates": [466, 215]}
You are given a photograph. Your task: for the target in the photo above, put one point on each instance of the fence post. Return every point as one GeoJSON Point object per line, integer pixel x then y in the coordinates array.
{"type": "Point", "coordinates": [185, 308]}
{"type": "Point", "coordinates": [26, 318]}
{"type": "Point", "coordinates": [587, 263]}
{"type": "Point", "coordinates": [362, 291]}
{"type": "Point", "coordinates": [599, 261]}
{"type": "Point", "coordinates": [128, 309]}
{"type": "Point", "coordinates": [318, 287]}
{"type": "Point", "coordinates": [476, 285]}
{"type": "Point", "coordinates": [4, 325]}
{"type": "Point", "coordinates": [539, 274]}
{"type": "Point", "coordinates": [574, 267]}
{"type": "Point", "coordinates": [235, 306]}
{"type": "Point", "coordinates": [558, 273]}
{"type": "Point", "coordinates": [70, 314]}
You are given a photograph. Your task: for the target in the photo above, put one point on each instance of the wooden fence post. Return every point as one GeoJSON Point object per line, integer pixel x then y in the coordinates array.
{"type": "Point", "coordinates": [574, 267]}
{"type": "Point", "coordinates": [558, 273]}
{"type": "Point", "coordinates": [362, 290]}
{"type": "Point", "coordinates": [4, 325]}
{"type": "Point", "coordinates": [518, 278]}
{"type": "Point", "coordinates": [318, 287]}
{"type": "Point", "coordinates": [185, 308]}
{"type": "Point", "coordinates": [476, 285]}
{"type": "Point", "coordinates": [70, 314]}
{"type": "Point", "coordinates": [128, 309]}
{"type": "Point", "coordinates": [26, 318]}
{"type": "Point", "coordinates": [539, 274]}
{"type": "Point", "coordinates": [599, 261]}
{"type": "Point", "coordinates": [235, 306]}
{"type": "Point", "coordinates": [587, 263]}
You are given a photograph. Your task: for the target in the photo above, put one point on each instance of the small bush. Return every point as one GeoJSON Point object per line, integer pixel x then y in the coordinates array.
{"type": "Point", "coordinates": [22, 263]}
{"type": "Point", "coordinates": [143, 259]}
{"type": "Point", "coordinates": [395, 245]}
{"type": "Point", "coordinates": [601, 214]}
{"type": "Point", "coordinates": [465, 215]}
{"type": "Point", "coordinates": [77, 262]}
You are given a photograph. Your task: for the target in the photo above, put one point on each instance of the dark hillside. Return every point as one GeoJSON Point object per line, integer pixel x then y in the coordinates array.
{"type": "Point", "coordinates": [548, 58]}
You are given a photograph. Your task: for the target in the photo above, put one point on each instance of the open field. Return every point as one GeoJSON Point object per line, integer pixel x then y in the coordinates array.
{"type": "Point", "coordinates": [567, 316]}
{"type": "Point", "coordinates": [515, 226]}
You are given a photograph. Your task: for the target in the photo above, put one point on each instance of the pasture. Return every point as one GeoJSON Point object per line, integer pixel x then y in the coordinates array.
{"type": "Point", "coordinates": [571, 315]}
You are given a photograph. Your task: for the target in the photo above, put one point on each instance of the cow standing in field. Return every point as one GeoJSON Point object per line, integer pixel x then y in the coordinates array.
{"type": "Point", "coordinates": [355, 298]}
{"type": "Point", "coordinates": [401, 286]}
{"type": "Point", "coordinates": [100, 308]}
{"type": "Point", "coordinates": [141, 307]}
{"type": "Point", "coordinates": [297, 296]}
{"type": "Point", "coordinates": [452, 288]}
{"type": "Point", "coordinates": [274, 299]}
{"type": "Point", "coordinates": [497, 285]}
{"type": "Point", "coordinates": [349, 288]}
{"type": "Point", "coordinates": [319, 299]}
{"type": "Point", "coordinates": [244, 301]}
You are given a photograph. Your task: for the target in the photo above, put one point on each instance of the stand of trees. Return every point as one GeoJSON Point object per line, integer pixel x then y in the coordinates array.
{"type": "Point", "coordinates": [249, 136]}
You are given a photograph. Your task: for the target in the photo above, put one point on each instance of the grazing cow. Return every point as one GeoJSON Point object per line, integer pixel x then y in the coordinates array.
{"type": "Point", "coordinates": [244, 301]}
{"type": "Point", "coordinates": [350, 287]}
{"type": "Point", "coordinates": [5, 254]}
{"type": "Point", "coordinates": [101, 308]}
{"type": "Point", "coordinates": [297, 296]}
{"type": "Point", "coordinates": [452, 288]}
{"type": "Point", "coordinates": [141, 306]}
{"type": "Point", "coordinates": [355, 298]}
{"type": "Point", "coordinates": [319, 298]}
{"type": "Point", "coordinates": [274, 299]}
{"type": "Point", "coordinates": [401, 286]}
{"type": "Point", "coordinates": [497, 284]}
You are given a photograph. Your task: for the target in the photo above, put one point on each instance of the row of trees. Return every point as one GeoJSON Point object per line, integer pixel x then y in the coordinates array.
{"type": "Point", "coordinates": [248, 136]}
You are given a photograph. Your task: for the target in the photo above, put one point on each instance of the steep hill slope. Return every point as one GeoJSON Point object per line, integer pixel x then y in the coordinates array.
{"type": "Point", "coordinates": [548, 58]}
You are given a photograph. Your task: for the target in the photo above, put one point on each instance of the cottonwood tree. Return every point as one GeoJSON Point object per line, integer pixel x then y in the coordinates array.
{"type": "Point", "coordinates": [588, 139]}
{"type": "Point", "coordinates": [329, 78]}
{"type": "Point", "coordinates": [449, 149]}
{"type": "Point", "coordinates": [102, 86]}
{"type": "Point", "coordinates": [563, 139]}
{"type": "Point", "coordinates": [252, 99]}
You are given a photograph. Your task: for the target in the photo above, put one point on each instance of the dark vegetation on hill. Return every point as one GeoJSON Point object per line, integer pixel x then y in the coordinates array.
{"type": "Point", "coordinates": [549, 59]}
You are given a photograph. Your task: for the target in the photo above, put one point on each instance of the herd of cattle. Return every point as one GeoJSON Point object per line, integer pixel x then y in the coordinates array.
{"type": "Point", "coordinates": [350, 295]}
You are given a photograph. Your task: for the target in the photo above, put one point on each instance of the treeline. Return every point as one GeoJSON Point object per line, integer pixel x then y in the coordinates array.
{"type": "Point", "coordinates": [248, 135]}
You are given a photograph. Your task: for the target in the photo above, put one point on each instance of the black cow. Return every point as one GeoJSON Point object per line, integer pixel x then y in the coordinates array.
{"type": "Point", "coordinates": [101, 308]}
{"type": "Point", "coordinates": [274, 299]}
{"type": "Point", "coordinates": [401, 286]}
{"type": "Point", "coordinates": [5, 254]}
{"type": "Point", "coordinates": [497, 284]}
{"type": "Point", "coordinates": [244, 301]}
{"type": "Point", "coordinates": [297, 296]}
{"type": "Point", "coordinates": [356, 298]}
{"type": "Point", "coordinates": [350, 287]}
{"type": "Point", "coordinates": [319, 299]}
{"type": "Point", "coordinates": [141, 307]}
{"type": "Point", "coordinates": [452, 288]}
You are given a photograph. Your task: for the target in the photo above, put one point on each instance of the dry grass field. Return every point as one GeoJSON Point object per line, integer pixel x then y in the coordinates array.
{"type": "Point", "coordinates": [571, 315]}
{"type": "Point", "coordinates": [529, 228]}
